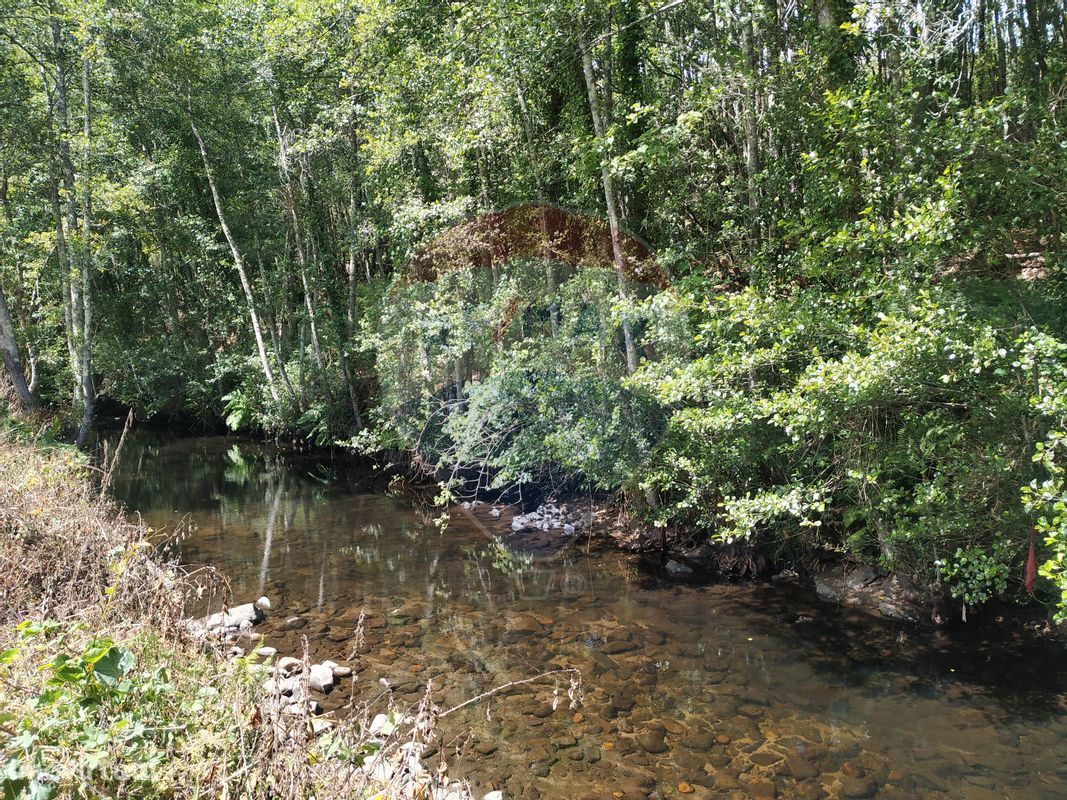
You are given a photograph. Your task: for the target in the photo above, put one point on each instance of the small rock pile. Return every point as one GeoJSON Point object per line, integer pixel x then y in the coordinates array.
{"type": "Point", "coordinates": [227, 625]}
{"type": "Point", "coordinates": [547, 517]}
{"type": "Point", "coordinates": [291, 685]}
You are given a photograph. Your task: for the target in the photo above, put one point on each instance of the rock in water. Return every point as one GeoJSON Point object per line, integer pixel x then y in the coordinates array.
{"type": "Point", "coordinates": [678, 570]}
{"type": "Point", "coordinates": [652, 740]}
{"type": "Point", "coordinates": [826, 591]}
{"type": "Point", "coordinates": [320, 677]}
{"type": "Point", "coordinates": [858, 788]}
{"type": "Point", "coordinates": [246, 613]}
{"type": "Point", "coordinates": [522, 624]}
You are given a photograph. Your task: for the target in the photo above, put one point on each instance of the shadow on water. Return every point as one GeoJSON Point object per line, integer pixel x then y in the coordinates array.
{"type": "Point", "coordinates": [994, 655]}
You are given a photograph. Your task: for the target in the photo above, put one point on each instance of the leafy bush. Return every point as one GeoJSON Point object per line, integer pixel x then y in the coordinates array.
{"type": "Point", "coordinates": [475, 381]}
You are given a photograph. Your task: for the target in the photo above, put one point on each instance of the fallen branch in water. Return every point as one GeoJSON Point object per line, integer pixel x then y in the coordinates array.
{"type": "Point", "coordinates": [574, 692]}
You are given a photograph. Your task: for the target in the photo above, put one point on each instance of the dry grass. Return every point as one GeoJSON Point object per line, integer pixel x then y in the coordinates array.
{"type": "Point", "coordinates": [66, 553]}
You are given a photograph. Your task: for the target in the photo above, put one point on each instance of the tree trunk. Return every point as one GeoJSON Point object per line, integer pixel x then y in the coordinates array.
{"type": "Point", "coordinates": [239, 263]}
{"type": "Point", "coordinates": [1035, 31]}
{"type": "Point", "coordinates": [88, 390]}
{"type": "Point", "coordinates": [751, 134]}
{"type": "Point", "coordinates": [289, 195]}
{"type": "Point", "coordinates": [350, 312]}
{"type": "Point", "coordinates": [63, 264]}
{"type": "Point", "coordinates": [273, 327]}
{"type": "Point", "coordinates": [610, 200]}
{"type": "Point", "coordinates": [8, 339]}
{"type": "Point", "coordinates": [12, 359]}
{"type": "Point", "coordinates": [69, 218]}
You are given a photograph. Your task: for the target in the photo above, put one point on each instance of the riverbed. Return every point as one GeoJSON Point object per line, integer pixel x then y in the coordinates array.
{"type": "Point", "coordinates": [719, 690]}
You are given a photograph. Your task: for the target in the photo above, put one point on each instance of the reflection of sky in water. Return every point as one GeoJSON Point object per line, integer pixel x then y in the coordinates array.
{"type": "Point", "coordinates": [769, 665]}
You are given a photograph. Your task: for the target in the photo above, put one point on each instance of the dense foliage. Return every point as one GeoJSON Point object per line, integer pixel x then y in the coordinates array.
{"type": "Point", "coordinates": [212, 210]}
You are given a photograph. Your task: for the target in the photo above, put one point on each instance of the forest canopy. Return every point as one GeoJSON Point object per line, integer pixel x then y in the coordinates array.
{"type": "Point", "coordinates": [849, 328]}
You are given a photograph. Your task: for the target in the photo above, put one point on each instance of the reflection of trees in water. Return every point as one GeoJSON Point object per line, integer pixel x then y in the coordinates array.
{"type": "Point", "coordinates": [299, 534]}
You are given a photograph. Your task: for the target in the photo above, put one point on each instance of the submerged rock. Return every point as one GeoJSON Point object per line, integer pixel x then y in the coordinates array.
{"type": "Point", "coordinates": [858, 788]}
{"type": "Point", "coordinates": [523, 624]}
{"type": "Point", "coordinates": [678, 570]}
{"type": "Point", "coordinates": [652, 740]}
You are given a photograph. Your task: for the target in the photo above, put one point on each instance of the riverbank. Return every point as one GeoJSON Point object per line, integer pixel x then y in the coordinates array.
{"type": "Point", "coordinates": [106, 692]}
{"type": "Point", "coordinates": [562, 524]}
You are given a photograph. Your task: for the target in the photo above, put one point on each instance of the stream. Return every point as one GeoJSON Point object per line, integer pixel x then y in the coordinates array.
{"type": "Point", "coordinates": [724, 690]}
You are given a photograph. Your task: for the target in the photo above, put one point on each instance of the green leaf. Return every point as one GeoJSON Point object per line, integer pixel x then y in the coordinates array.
{"type": "Point", "coordinates": [113, 666]}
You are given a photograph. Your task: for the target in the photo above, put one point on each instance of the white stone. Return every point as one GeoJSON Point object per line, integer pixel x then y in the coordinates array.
{"type": "Point", "coordinates": [267, 652]}
{"type": "Point", "coordinates": [497, 795]}
{"type": "Point", "coordinates": [320, 726]}
{"type": "Point", "coordinates": [494, 513]}
{"type": "Point", "coordinates": [381, 726]}
{"type": "Point", "coordinates": [234, 617]}
{"type": "Point", "coordinates": [280, 686]}
{"type": "Point", "coordinates": [568, 529]}
{"type": "Point", "coordinates": [263, 603]}
{"type": "Point", "coordinates": [342, 672]}
{"type": "Point", "coordinates": [380, 770]}
{"type": "Point", "coordinates": [320, 677]}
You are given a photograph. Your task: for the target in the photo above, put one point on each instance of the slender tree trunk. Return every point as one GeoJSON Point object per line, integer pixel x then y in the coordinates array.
{"type": "Point", "coordinates": [610, 200]}
{"type": "Point", "coordinates": [70, 216]}
{"type": "Point", "coordinates": [88, 390]}
{"type": "Point", "coordinates": [63, 264]}
{"type": "Point", "coordinates": [751, 134]}
{"type": "Point", "coordinates": [273, 327]}
{"type": "Point", "coordinates": [350, 312]}
{"type": "Point", "coordinates": [298, 245]}
{"type": "Point", "coordinates": [239, 263]}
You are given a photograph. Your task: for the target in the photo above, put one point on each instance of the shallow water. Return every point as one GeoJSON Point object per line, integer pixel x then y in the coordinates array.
{"type": "Point", "coordinates": [724, 691]}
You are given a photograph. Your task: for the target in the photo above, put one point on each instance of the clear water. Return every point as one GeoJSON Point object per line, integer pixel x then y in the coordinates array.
{"type": "Point", "coordinates": [724, 691]}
